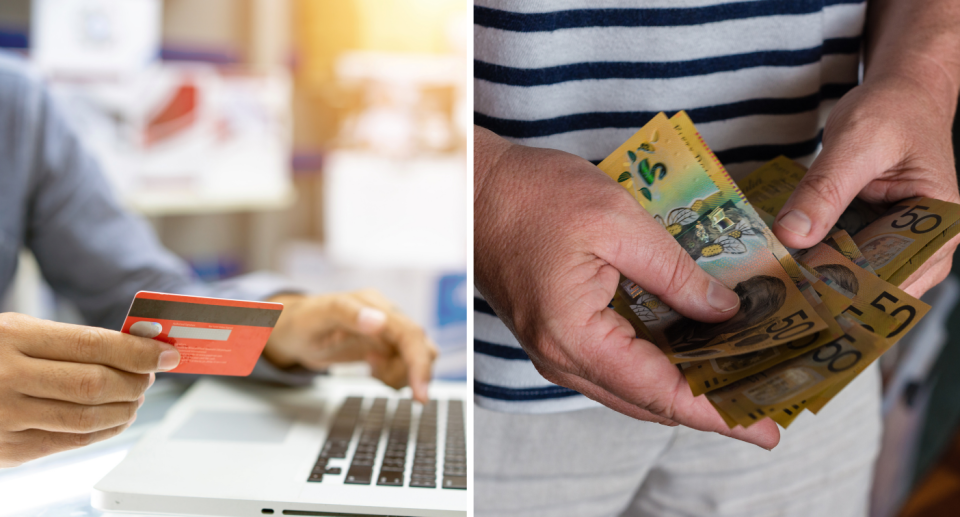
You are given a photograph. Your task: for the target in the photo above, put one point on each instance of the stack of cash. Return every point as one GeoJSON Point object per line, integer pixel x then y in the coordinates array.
{"type": "Point", "coordinates": [810, 320]}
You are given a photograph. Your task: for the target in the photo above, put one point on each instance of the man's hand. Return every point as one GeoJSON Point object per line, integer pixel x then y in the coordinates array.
{"type": "Point", "coordinates": [883, 142]}
{"type": "Point", "coordinates": [552, 234]}
{"type": "Point", "coordinates": [889, 138]}
{"type": "Point", "coordinates": [65, 386]}
{"type": "Point", "coordinates": [318, 331]}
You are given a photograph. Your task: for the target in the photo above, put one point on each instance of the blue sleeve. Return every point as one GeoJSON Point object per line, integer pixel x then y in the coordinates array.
{"type": "Point", "coordinates": [89, 249]}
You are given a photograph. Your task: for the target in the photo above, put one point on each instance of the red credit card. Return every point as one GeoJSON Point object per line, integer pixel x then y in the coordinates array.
{"type": "Point", "coordinates": [214, 336]}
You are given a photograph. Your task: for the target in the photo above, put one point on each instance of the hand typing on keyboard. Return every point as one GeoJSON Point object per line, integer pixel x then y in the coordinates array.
{"type": "Point", "coordinates": [317, 331]}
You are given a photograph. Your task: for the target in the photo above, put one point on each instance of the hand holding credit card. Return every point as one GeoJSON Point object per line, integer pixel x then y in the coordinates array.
{"type": "Point", "coordinates": [226, 337]}
{"type": "Point", "coordinates": [214, 336]}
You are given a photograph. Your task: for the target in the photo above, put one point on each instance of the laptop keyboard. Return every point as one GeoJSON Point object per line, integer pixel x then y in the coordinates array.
{"type": "Point", "coordinates": [392, 467]}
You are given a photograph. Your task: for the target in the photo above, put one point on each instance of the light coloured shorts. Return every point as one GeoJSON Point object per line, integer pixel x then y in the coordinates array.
{"type": "Point", "coordinates": [596, 462]}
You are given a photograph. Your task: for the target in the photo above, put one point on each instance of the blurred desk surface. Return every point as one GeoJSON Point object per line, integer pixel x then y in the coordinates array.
{"type": "Point", "coordinates": [170, 203]}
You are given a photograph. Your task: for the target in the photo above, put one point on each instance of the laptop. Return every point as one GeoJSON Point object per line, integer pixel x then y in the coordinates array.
{"type": "Point", "coordinates": [345, 446]}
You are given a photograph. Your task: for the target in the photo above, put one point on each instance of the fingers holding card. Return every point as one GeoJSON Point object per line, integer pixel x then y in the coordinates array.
{"type": "Point", "coordinates": [214, 336]}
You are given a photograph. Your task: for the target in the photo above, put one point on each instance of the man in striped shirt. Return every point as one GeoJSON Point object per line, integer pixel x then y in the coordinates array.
{"type": "Point", "coordinates": [562, 83]}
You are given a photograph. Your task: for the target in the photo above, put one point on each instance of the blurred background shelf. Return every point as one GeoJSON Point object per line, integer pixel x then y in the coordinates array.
{"type": "Point", "coordinates": [325, 141]}
{"type": "Point", "coordinates": [321, 140]}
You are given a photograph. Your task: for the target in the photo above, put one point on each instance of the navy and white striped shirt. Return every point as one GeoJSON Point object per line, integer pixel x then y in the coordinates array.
{"type": "Point", "coordinates": [757, 77]}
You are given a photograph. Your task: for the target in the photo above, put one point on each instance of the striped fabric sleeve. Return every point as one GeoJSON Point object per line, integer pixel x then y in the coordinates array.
{"type": "Point", "coordinates": [504, 377]}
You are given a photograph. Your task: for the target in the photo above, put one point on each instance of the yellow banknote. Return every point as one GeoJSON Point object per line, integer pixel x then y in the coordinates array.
{"type": "Point", "coordinates": [900, 275]}
{"type": "Point", "coordinates": [787, 387]}
{"type": "Point", "coordinates": [622, 305]}
{"type": "Point", "coordinates": [711, 374]}
{"type": "Point", "coordinates": [815, 404]}
{"type": "Point", "coordinates": [889, 242]}
{"type": "Point", "coordinates": [707, 375]}
{"type": "Point", "coordinates": [839, 301]}
{"type": "Point", "coordinates": [843, 242]}
{"type": "Point", "coordinates": [770, 186]}
{"type": "Point", "coordinates": [709, 217]}
{"type": "Point", "coordinates": [868, 290]}
{"type": "Point", "coordinates": [727, 419]}
{"type": "Point", "coordinates": [784, 418]}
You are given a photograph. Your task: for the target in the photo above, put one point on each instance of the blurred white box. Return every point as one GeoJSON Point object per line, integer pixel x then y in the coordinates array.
{"type": "Point", "coordinates": [94, 37]}
{"type": "Point", "coordinates": [183, 138]}
{"type": "Point", "coordinates": [395, 213]}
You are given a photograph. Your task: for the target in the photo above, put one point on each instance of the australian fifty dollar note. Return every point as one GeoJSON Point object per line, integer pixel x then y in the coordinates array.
{"type": "Point", "coordinates": [695, 201]}
{"type": "Point", "coordinates": [783, 391]}
{"type": "Point", "coordinates": [895, 242]}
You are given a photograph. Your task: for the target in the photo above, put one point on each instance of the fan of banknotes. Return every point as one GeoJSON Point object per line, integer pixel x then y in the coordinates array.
{"type": "Point", "coordinates": [810, 320]}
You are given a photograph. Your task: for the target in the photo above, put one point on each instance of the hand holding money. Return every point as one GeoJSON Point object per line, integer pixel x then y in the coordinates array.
{"type": "Point", "coordinates": [875, 147]}
{"type": "Point", "coordinates": [839, 310]}
{"type": "Point", "coordinates": [552, 236]}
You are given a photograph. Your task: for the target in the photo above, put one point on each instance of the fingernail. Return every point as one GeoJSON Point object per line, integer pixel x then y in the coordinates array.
{"type": "Point", "coordinates": [796, 222]}
{"type": "Point", "coordinates": [168, 360]}
{"type": "Point", "coordinates": [153, 378]}
{"type": "Point", "coordinates": [721, 298]}
{"type": "Point", "coordinates": [148, 329]}
{"type": "Point", "coordinates": [140, 400]}
{"type": "Point", "coordinates": [422, 389]}
{"type": "Point", "coordinates": [371, 320]}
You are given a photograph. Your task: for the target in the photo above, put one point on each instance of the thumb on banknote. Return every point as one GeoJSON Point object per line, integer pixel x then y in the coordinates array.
{"type": "Point", "coordinates": [650, 256]}
{"type": "Point", "coordinates": [845, 166]}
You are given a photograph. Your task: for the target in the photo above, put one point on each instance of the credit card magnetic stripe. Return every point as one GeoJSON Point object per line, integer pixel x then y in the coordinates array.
{"type": "Point", "coordinates": [203, 313]}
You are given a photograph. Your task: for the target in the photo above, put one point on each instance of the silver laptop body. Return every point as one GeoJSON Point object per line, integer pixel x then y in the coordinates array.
{"type": "Point", "coordinates": [345, 446]}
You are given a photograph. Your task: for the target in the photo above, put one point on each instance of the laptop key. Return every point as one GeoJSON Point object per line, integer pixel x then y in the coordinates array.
{"type": "Point", "coordinates": [315, 477]}
{"type": "Point", "coordinates": [455, 482]}
{"type": "Point", "coordinates": [359, 475]}
{"type": "Point", "coordinates": [390, 479]}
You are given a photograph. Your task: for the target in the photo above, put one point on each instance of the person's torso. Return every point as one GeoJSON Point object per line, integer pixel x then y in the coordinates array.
{"type": "Point", "coordinates": [18, 150]}
{"type": "Point", "coordinates": [758, 78]}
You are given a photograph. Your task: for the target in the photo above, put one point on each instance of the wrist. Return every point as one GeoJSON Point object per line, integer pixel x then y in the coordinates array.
{"type": "Point", "coordinates": [488, 149]}
{"type": "Point", "coordinates": [917, 47]}
{"type": "Point", "coordinates": [921, 77]}
{"type": "Point", "coordinates": [276, 349]}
